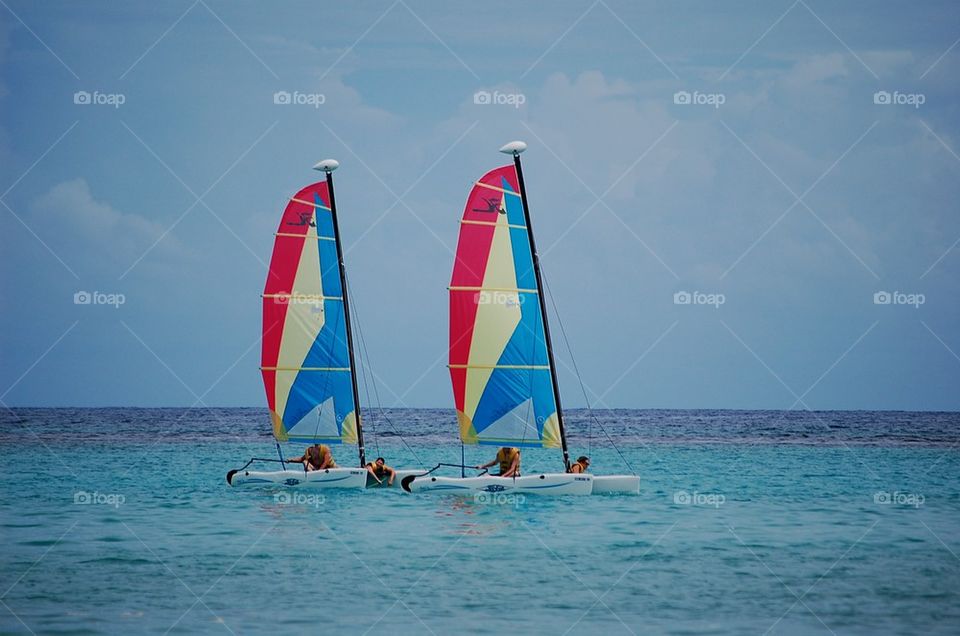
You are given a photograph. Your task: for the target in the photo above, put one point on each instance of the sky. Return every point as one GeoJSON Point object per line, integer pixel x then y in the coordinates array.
{"type": "Point", "coordinates": [738, 205]}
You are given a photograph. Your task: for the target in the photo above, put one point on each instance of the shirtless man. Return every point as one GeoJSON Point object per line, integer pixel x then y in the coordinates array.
{"type": "Point", "coordinates": [316, 457]}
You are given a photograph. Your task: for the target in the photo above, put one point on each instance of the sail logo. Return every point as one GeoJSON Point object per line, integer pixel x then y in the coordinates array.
{"type": "Point", "coordinates": [84, 498]}
{"type": "Point", "coordinates": [896, 98]}
{"type": "Point", "coordinates": [507, 299]}
{"type": "Point", "coordinates": [698, 298]}
{"type": "Point", "coordinates": [684, 498]}
{"type": "Point", "coordinates": [494, 204]}
{"type": "Point", "coordinates": [296, 98]}
{"type": "Point", "coordinates": [496, 98]}
{"type": "Point", "coordinates": [899, 298]}
{"type": "Point", "coordinates": [898, 498]}
{"type": "Point", "coordinates": [98, 298]}
{"type": "Point", "coordinates": [696, 98]}
{"type": "Point", "coordinates": [96, 98]}
{"type": "Point", "coordinates": [306, 218]}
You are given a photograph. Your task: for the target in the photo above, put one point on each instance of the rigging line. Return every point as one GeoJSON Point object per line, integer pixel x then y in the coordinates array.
{"type": "Point", "coordinates": [363, 370]}
{"type": "Point", "coordinates": [380, 410]}
{"type": "Point", "coordinates": [364, 365]}
{"type": "Point", "coordinates": [376, 393]}
{"type": "Point", "coordinates": [583, 389]}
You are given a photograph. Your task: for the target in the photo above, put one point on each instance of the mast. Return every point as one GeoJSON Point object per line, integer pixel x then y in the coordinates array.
{"type": "Point", "coordinates": [328, 166]}
{"type": "Point", "coordinates": [515, 148]}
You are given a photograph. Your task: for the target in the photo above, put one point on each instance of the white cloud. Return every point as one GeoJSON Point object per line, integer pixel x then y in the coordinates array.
{"type": "Point", "coordinates": [95, 235]}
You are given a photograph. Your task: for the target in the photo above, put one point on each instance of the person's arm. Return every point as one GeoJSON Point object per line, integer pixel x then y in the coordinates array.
{"type": "Point", "coordinates": [296, 460]}
{"type": "Point", "coordinates": [575, 467]}
{"type": "Point", "coordinates": [512, 471]}
{"type": "Point", "coordinates": [392, 473]}
{"type": "Point", "coordinates": [373, 472]}
{"type": "Point", "coordinates": [487, 465]}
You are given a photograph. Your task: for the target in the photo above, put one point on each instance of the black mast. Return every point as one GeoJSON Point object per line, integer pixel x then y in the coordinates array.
{"type": "Point", "coordinates": [328, 167]}
{"type": "Point", "coordinates": [516, 150]}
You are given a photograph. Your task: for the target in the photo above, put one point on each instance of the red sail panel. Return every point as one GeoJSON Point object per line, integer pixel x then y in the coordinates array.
{"type": "Point", "coordinates": [480, 214]}
{"type": "Point", "coordinates": [287, 248]}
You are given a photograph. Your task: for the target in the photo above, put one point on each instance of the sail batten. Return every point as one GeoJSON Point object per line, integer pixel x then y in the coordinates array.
{"type": "Point", "coordinates": [493, 223]}
{"type": "Point", "coordinates": [305, 362]}
{"type": "Point", "coordinates": [499, 366]}
{"type": "Point", "coordinates": [319, 238]}
{"type": "Point", "coordinates": [314, 204]}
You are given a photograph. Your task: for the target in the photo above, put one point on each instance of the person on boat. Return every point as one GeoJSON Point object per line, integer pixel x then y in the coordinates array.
{"type": "Point", "coordinates": [379, 470]}
{"type": "Point", "coordinates": [509, 460]}
{"type": "Point", "coordinates": [581, 465]}
{"type": "Point", "coordinates": [316, 457]}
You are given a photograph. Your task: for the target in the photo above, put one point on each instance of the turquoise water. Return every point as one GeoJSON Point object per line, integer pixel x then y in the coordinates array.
{"type": "Point", "coordinates": [731, 534]}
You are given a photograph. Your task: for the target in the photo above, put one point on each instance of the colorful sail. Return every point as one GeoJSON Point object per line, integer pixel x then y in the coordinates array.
{"type": "Point", "coordinates": [305, 361]}
{"type": "Point", "coordinates": [498, 356]}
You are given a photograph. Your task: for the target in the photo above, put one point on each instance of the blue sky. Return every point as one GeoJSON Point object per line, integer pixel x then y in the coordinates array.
{"type": "Point", "coordinates": [789, 190]}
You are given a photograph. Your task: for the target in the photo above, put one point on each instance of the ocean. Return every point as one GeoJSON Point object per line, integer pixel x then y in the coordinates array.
{"type": "Point", "coordinates": [120, 521]}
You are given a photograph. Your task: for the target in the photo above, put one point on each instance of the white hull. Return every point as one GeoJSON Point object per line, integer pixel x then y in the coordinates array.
{"type": "Point", "coordinates": [541, 484]}
{"type": "Point", "coordinates": [315, 479]}
{"type": "Point", "coordinates": [616, 485]}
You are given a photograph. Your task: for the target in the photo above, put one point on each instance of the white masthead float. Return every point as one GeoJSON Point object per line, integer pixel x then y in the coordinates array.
{"type": "Point", "coordinates": [501, 356]}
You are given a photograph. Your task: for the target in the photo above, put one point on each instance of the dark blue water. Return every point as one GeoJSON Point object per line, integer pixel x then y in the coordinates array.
{"type": "Point", "coordinates": [119, 520]}
{"type": "Point", "coordinates": [438, 426]}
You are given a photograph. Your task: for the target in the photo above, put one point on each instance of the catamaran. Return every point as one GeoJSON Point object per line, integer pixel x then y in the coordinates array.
{"type": "Point", "coordinates": [501, 355]}
{"type": "Point", "coordinates": [307, 359]}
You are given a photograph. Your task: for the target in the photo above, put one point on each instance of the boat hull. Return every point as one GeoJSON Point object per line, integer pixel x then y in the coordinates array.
{"type": "Point", "coordinates": [313, 480]}
{"type": "Point", "coordinates": [540, 484]}
{"type": "Point", "coordinates": [616, 485]}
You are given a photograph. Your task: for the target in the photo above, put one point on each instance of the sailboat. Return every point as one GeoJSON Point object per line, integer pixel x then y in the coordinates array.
{"type": "Point", "coordinates": [307, 360]}
{"type": "Point", "coordinates": [501, 355]}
